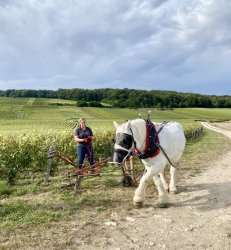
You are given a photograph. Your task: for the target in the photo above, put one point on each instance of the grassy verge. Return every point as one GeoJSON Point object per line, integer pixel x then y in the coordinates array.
{"type": "Point", "coordinates": [202, 150]}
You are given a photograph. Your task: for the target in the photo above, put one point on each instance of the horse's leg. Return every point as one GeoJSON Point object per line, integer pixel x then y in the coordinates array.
{"type": "Point", "coordinates": [163, 180]}
{"type": "Point", "coordinates": [139, 196]}
{"type": "Point", "coordinates": [172, 184]}
{"type": "Point", "coordinates": [163, 200]}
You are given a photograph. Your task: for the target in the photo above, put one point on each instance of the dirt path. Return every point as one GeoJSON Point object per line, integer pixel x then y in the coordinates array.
{"type": "Point", "coordinates": [199, 217]}
{"type": "Point", "coordinates": [224, 128]}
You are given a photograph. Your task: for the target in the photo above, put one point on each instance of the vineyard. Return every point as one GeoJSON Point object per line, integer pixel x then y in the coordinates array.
{"type": "Point", "coordinates": [29, 126]}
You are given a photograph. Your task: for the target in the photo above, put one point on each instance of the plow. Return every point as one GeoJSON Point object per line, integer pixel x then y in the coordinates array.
{"type": "Point", "coordinates": [77, 174]}
{"type": "Point", "coordinates": [130, 178]}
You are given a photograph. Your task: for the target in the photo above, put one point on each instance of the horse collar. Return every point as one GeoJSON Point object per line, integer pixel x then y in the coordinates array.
{"type": "Point", "coordinates": [152, 142]}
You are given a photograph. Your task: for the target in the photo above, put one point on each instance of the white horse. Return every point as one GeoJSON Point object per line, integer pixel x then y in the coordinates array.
{"type": "Point", "coordinates": [132, 134]}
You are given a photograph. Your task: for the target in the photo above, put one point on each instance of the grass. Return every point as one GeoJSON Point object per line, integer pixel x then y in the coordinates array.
{"type": "Point", "coordinates": [208, 141]}
{"type": "Point", "coordinates": [25, 213]}
{"type": "Point", "coordinates": [201, 150]}
{"type": "Point", "coordinates": [45, 207]}
{"type": "Point", "coordinates": [59, 114]}
{"type": "Point", "coordinates": [42, 116]}
{"type": "Point", "coordinates": [31, 202]}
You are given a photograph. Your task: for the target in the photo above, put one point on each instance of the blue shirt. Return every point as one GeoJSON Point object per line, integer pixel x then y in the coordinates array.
{"type": "Point", "coordinates": [83, 134]}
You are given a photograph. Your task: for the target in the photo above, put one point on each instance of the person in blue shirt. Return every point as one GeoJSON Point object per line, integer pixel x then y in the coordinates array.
{"type": "Point", "coordinates": [83, 135]}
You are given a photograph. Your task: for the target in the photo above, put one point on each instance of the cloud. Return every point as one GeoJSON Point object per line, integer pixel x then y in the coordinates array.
{"type": "Point", "coordinates": [92, 44]}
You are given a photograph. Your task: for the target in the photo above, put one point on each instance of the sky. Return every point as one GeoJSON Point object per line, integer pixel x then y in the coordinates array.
{"type": "Point", "coordinates": [179, 45]}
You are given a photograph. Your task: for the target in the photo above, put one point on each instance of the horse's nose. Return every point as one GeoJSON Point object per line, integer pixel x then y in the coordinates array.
{"type": "Point", "coordinates": [117, 158]}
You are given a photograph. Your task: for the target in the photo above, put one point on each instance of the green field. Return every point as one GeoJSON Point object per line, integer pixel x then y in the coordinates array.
{"type": "Point", "coordinates": [21, 115]}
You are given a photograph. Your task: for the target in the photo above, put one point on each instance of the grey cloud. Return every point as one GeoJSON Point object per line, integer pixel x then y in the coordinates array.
{"type": "Point", "coordinates": [114, 43]}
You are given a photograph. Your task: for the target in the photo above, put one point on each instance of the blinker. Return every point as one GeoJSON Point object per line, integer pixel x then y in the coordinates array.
{"type": "Point", "coordinates": [124, 140]}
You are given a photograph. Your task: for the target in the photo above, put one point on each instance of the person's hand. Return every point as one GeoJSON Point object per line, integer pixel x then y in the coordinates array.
{"type": "Point", "coordinates": [89, 138]}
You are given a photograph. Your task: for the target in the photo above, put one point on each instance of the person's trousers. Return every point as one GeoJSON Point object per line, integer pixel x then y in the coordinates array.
{"type": "Point", "coordinates": [85, 151]}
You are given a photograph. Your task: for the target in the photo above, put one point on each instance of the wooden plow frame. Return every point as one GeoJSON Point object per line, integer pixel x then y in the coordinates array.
{"type": "Point", "coordinates": [78, 174]}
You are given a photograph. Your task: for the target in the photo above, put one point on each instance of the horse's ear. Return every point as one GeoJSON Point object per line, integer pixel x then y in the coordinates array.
{"type": "Point", "coordinates": [116, 124]}
{"type": "Point", "coordinates": [128, 125]}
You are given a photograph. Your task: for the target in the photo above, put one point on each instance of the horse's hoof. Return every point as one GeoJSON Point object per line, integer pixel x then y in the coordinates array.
{"type": "Point", "coordinates": [162, 205]}
{"type": "Point", "coordinates": [138, 204]}
{"type": "Point", "coordinates": [173, 192]}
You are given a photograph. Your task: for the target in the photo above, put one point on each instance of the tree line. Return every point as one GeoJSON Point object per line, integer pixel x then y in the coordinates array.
{"type": "Point", "coordinates": [127, 98]}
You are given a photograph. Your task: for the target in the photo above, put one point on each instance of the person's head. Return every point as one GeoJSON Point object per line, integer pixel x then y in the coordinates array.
{"type": "Point", "coordinates": [82, 122]}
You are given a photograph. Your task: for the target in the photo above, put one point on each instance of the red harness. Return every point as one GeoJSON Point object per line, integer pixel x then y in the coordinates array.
{"type": "Point", "coordinates": [152, 141]}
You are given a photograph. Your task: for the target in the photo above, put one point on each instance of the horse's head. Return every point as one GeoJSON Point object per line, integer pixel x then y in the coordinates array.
{"type": "Point", "coordinates": [123, 142]}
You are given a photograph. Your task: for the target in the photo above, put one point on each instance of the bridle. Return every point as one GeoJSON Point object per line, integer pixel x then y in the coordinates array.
{"type": "Point", "coordinates": [125, 142]}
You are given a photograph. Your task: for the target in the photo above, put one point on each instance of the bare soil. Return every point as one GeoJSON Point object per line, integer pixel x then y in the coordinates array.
{"type": "Point", "coordinates": [199, 217]}
{"type": "Point", "coordinates": [224, 125]}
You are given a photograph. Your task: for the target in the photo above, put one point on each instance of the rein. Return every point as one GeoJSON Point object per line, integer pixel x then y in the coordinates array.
{"type": "Point", "coordinates": [166, 155]}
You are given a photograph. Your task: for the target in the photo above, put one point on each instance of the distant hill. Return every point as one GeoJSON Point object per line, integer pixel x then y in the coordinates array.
{"type": "Point", "coordinates": [127, 98]}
